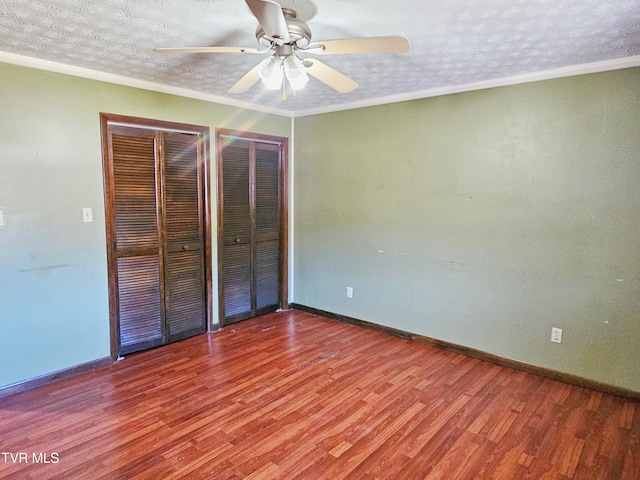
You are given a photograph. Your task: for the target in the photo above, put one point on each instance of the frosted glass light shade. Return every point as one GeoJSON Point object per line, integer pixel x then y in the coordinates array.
{"type": "Point", "coordinates": [295, 72]}
{"type": "Point", "coordinates": [270, 72]}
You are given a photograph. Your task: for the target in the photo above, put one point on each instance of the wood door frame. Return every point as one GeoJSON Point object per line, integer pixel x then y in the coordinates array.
{"type": "Point", "coordinates": [283, 196]}
{"type": "Point", "coordinates": [107, 119]}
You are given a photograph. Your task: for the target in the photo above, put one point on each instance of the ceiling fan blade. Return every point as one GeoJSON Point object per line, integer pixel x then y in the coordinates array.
{"type": "Point", "coordinates": [346, 46]}
{"type": "Point", "coordinates": [271, 18]}
{"type": "Point", "coordinates": [207, 50]}
{"type": "Point", "coordinates": [246, 82]}
{"type": "Point", "coordinates": [330, 76]}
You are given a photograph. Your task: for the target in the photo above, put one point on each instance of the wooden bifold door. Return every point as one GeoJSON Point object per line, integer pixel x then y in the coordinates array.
{"type": "Point", "coordinates": [252, 224]}
{"type": "Point", "coordinates": [156, 211]}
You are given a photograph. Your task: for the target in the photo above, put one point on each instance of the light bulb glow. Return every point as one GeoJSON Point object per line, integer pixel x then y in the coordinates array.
{"type": "Point", "coordinates": [295, 72]}
{"type": "Point", "coordinates": [270, 72]}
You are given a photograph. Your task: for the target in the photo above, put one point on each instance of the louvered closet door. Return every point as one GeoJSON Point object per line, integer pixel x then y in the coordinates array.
{"type": "Point", "coordinates": [184, 246]}
{"type": "Point", "coordinates": [250, 229]}
{"type": "Point", "coordinates": [136, 239]}
{"type": "Point", "coordinates": [156, 231]}
{"type": "Point", "coordinates": [236, 231]}
{"type": "Point", "coordinates": [267, 241]}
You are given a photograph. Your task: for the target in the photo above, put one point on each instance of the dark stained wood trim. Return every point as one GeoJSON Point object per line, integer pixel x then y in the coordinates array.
{"type": "Point", "coordinates": [161, 221]}
{"type": "Point", "coordinates": [54, 377]}
{"type": "Point", "coordinates": [283, 144]}
{"type": "Point", "coordinates": [479, 354]}
{"type": "Point", "coordinates": [109, 188]}
{"type": "Point", "coordinates": [109, 204]}
{"type": "Point", "coordinates": [205, 150]}
{"type": "Point", "coordinates": [252, 223]}
{"type": "Point", "coordinates": [155, 124]}
{"type": "Point", "coordinates": [220, 239]}
{"type": "Point", "coordinates": [284, 226]}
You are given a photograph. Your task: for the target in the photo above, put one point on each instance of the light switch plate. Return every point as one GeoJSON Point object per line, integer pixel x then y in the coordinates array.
{"type": "Point", "coordinates": [87, 214]}
{"type": "Point", "coordinates": [1, 218]}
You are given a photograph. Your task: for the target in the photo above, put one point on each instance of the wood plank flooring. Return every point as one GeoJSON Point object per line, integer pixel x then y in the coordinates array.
{"type": "Point", "coordinates": [293, 395]}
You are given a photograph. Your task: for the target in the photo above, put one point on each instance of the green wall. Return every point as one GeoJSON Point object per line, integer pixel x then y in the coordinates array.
{"type": "Point", "coordinates": [53, 273]}
{"type": "Point", "coordinates": [483, 219]}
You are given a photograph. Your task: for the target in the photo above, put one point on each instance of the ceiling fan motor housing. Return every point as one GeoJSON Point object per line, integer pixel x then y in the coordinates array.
{"type": "Point", "coordinates": [299, 31]}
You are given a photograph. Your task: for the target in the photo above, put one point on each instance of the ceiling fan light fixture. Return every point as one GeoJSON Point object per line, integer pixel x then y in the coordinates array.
{"type": "Point", "coordinates": [281, 31]}
{"type": "Point", "coordinates": [270, 72]}
{"type": "Point", "coordinates": [295, 72]}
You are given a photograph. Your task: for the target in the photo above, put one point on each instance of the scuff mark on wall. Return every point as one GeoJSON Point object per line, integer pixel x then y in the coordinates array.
{"type": "Point", "coordinates": [41, 269]}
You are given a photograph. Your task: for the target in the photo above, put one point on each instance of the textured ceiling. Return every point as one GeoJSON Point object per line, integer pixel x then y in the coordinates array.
{"type": "Point", "coordinates": [452, 42]}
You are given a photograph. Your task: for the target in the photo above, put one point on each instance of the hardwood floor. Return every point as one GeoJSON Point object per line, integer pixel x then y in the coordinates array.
{"type": "Point", "coordinates": [293, 395]}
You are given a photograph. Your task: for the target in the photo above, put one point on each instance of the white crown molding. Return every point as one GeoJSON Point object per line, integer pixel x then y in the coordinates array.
{"type": "Point", "coordinates": [574, 70]}
{"type": "Point", "coordinates": [50, 66]}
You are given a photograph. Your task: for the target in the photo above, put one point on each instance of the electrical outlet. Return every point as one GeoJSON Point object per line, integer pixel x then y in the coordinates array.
{"type": "Point", "coordinates": [556, 335]}
{"type": "Point", "coordinates": [349, 292]}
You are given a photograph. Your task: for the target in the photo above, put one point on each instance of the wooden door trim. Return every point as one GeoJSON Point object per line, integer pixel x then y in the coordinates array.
{"type": "Point", "coordinates": [106, 120]}
{"type": "Point", "coordinates": [283, 176]}
{"type": "Point", "coordinates": [160, 222]}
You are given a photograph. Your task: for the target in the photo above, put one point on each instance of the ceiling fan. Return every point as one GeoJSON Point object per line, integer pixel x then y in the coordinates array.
{"type": "Point", "coordinates": [283, 33]}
